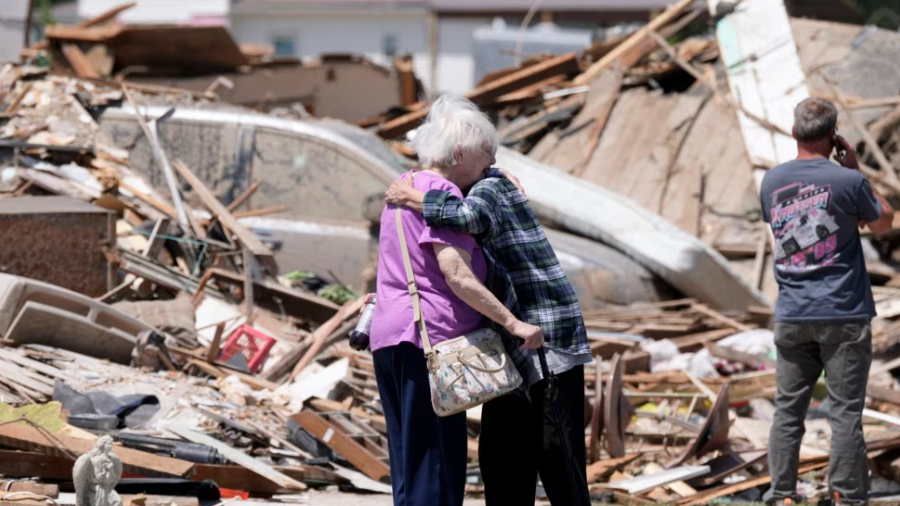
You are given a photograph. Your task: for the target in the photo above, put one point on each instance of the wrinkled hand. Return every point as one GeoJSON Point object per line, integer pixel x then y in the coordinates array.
{"type": "Point", "coordinates": [400, 192]}
{"type": "Point", "coordinates": [514, 180]}
{"type": "Point", "coordinates": [848, 158]}
{"type": "Point", "coordinates": [366, 302]}
{"type": "Point", "coordinates": [532, 336]}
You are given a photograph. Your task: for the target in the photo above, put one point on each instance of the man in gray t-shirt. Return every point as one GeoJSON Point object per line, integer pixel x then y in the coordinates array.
{"type": "Point", "coordinates": [822, 319]}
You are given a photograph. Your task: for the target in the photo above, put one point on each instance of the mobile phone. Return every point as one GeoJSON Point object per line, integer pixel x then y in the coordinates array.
{"type": "Point", "coordinates": [838, 148]}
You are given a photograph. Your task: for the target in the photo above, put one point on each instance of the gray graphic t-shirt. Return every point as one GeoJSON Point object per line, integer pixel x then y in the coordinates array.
{"type": "Point", "coordinates": [814, 208]}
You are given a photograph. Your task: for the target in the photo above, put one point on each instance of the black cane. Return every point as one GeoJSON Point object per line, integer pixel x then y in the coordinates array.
{"type": "Point", "coordinates": [577, 481]}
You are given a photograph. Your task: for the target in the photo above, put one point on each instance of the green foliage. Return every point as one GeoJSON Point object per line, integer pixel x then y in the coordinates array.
{"type": "Point", "coordinates": [338, 294]}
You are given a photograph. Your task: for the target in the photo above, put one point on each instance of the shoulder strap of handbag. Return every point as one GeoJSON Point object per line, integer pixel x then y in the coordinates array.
{"type": "Point", "coordinates": [418, 317]}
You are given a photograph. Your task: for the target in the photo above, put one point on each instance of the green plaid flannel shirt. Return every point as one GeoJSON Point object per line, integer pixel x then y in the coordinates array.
{"type": "Point", "coordinates": [523, 271]}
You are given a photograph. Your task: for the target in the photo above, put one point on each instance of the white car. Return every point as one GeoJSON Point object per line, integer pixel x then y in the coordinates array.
{"type": "Point", "coordinates": [803, 231]}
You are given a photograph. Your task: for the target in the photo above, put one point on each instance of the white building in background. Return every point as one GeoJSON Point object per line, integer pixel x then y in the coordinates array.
{"type": "Point", "coordinates": [188, 12]}
{"type": "Point", "coordinates": [437, 33]}
{"type": "Point", "coordinates": [12, 29]}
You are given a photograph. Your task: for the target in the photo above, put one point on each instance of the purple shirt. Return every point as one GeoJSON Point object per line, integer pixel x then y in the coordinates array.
{"type": "Point", "coordinates": [446, 315]}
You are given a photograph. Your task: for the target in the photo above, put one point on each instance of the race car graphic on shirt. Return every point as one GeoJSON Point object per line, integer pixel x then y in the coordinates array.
{"type": "Point", "coordinates": [805, 233]}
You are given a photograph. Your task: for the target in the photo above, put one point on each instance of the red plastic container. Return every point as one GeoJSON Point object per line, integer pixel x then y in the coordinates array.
{"type": "Point", "coordinates": [253, 344]}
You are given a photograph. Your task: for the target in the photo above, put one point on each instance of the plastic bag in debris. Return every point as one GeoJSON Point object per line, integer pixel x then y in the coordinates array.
{"type": "Point", "coordinates": [754, 342]}
{"type": "Point", "coordinates": [132, 410]}
{"type": "Point", "coordinates": [665, 357]}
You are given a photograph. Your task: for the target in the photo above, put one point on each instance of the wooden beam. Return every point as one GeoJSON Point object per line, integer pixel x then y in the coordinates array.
{"type": "Point", "coordinates": [247, 238]}
{"type": "Point", "coordinates": [25, 437]}
{"type": "Point", "coordinates": [238, 457]}
{"type": "Point", "coordinates": [715, 315]}
{"type": "Point", "coordinates": [239, 478]}
{"type": "Point", "coordinates": [631, 42]}
{"type": "Point", "coordinates": [244, 196]}
{"type": "Point", "coordinates": [370, 465]}
{"type": "Point", "coordinates": [15, 464]}
{"type": "Point", "coordinates": [262, 211]}
{"type": "Point", "coordinates": [887, 169]}
{"type": "Point", "coordinates": [326, 329]}
{"type": "Point", "coordinates": [560, 65]}
{"type": "Point", "coordinates": [600, 123]}
{"type": "Point", "coordinates": [79, 62]}
{"type": "Point", "coordinates": [106, 16]}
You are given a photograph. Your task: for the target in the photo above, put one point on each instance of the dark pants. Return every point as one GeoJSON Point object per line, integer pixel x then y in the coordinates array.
{"type": "Point", "coordinates": [519, 439]}
{"type": "Point", "coordinates": [844, 351]}
{"type": "Point", "coordinates": [428, 453]}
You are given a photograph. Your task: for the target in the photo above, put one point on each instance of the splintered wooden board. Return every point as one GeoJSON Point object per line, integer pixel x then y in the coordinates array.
{"type": "Point", "coordinates": [635, 156]}
{"type": "Point", "coordinates": [364, 460]}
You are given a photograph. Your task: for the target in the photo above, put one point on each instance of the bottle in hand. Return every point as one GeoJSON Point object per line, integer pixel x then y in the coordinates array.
{"type": "Point", "coordinates": [359, 337]}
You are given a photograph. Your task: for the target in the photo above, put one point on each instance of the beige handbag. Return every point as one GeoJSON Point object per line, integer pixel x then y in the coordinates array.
{"type": "Point", "coordinates": [466, 371]}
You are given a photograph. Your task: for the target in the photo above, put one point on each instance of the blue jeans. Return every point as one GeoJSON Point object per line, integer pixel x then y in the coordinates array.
{"type": "Point", "coordinates": [428, 453]}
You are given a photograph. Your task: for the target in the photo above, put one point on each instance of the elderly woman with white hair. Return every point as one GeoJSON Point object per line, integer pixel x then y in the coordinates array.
{"type": "Point", "coordinates": [538, 430]}
{"type": "Point", "coordinates": [428, 453]}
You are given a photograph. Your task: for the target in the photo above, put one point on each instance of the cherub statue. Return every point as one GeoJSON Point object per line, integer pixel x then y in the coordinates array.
{"type": "Point", "coordinates": [96, 474]}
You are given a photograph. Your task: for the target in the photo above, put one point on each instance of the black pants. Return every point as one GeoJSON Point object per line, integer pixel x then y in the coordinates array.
{"type": "Point", "coordinates": [428, 453]}
{"type": "Point", "coordinates": [519, 439]}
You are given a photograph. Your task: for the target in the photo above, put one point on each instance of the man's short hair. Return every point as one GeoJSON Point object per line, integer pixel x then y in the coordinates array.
{"type": "Point", "coordinates": [814, 120]}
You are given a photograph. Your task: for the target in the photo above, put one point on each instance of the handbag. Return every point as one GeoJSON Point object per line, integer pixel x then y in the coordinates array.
{"type": "Point", "coordinates": [466, 371]}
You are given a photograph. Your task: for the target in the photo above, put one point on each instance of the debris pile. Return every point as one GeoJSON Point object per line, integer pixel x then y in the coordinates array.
{"type": "Point", "coordinates": [144, 304]}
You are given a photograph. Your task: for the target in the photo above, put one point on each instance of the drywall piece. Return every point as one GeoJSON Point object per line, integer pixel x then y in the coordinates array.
{"type": "Point", "coordinates": [642, 484]}
{"type": "Point", "coordinates": [765, 75]}
{"type": "Point", "coordinates": [684, 261]}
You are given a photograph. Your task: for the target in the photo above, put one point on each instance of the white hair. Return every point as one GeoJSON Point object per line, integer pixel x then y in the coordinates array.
{"type": "Point", "coordinates": [453, 123]}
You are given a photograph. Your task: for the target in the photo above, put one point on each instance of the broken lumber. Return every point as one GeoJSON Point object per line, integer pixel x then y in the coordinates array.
{"type": "Point", "coordinates": [79, 62]}
{"type": "Point", "coordinates": [355, 453]}
{"type": "Point", "coordinates": [633, 41]}
{"type": "Point", "coordinates": [240, 478]}
{"type": "Point", "coordinates": [322, 333]}
{"type": "Point", "coordinates": [263, 254]}
{"type": "Point", "coordinates": [28, 438]}
{"type": "Point", "coordinates": [560, 65]}
{"type": "Point", "coordinates": [238, 457]}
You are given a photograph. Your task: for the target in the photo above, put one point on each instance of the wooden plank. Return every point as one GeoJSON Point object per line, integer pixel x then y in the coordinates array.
{"type": "Point", "coordinates": [28, 438]}
{"type": "Point", "coordinates": [15, 464]}
{"type": "Point", "coordinates": [244, 196]}
{"type": "Point", "coordinates": [887, 168]}
{"type": "Point", "coordinates": [82, 34]}
{"type": "Point", "coordinates": [238, 457]}
{"type": "Point", "coordinates": [370, 465]}
{"type": "Point", "coordinates": [560, 65]}
{"type": "Point", "coordinates": [262, 211]}
{"type": "Point", "coordinates": [14, 356]}
{"type": "Point", "coordinates": [109, 15]}
{"type": "Point", "coordinates": [240, 478]}
{"type": "Point", "coordinates": [633, 41]}
{"type": "Point", "coordinates": [326, 405]}
{"type": "Point", "coordinates": [715, 315]}
{"type": "Point", "coordinates": [322, 333]}
{"type": "Point", "coordinates": [156, 203]}
{"type": "Point", "coordinates": [216, 344]}
{"type": "Point", "coordinates": [217, 372]}
{"type": "Point", "coordinates": [247, 238]}
{"type": "Point", "coordinates": [600, 120]}
{"type": "Point", "coordinates": [79, 62]}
